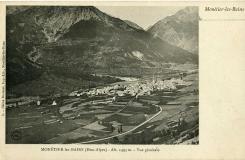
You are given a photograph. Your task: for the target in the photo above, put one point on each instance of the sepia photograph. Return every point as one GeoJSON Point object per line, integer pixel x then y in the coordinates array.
{"type": "Point", "coordinates": [102, 75]}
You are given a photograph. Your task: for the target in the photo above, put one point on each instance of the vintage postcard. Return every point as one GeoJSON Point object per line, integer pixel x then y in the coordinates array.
{"type": "Point", "coordinates": [146, 79]}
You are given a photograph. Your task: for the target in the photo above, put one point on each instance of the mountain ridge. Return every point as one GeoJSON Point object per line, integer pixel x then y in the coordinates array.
{"type": "Point", "coordinates": [180, 29]}
{"type": "Point", "coordinates": [132, 24]}
{"type": "Point", "coordinates": [45, 43]}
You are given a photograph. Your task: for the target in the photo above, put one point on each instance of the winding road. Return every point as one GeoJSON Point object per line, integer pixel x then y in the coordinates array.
{"type": "Point", "coordinates": [124, 133]}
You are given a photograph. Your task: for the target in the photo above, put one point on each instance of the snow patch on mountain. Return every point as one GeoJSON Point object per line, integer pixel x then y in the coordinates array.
{"type": "Point", "coordinates": [138, 54]}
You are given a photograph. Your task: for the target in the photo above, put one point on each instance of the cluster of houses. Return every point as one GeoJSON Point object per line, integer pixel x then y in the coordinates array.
{"type": "Point", "coordinates": [135, 88]}
{"type": "Point", "coordinates": [16, 102]}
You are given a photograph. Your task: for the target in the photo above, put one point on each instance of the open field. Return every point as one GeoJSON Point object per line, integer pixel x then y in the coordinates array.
{"type": "Point", "coordinates": [77, 119]}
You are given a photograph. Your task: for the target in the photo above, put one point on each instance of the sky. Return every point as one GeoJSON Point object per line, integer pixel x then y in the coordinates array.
{"type": "Point", "coordinates": [144, 16]}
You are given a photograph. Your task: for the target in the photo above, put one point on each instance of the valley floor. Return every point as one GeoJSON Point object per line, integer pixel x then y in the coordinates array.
{"type": "Point", "coordinates": [156, 115]}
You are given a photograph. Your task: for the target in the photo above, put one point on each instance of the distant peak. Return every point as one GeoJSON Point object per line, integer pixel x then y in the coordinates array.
{"type": "Point", "coordinates": [180, 29]}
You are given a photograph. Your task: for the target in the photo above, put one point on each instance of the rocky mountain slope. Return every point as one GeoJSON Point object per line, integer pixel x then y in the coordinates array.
{"type": "Point", "coordinates": [56, 49]}
{"type": "Point", "coordinates": [132, 24]}
{"type": "Point", "coordinates": [16, 9]}
{"type": "Point", "coordinates": [180, 29]}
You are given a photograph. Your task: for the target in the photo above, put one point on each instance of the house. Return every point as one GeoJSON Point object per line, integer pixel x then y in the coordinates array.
{"type": "Point", "coordinates": [38, 103]}
{"type": "Point", "coordinates": [54, 103]}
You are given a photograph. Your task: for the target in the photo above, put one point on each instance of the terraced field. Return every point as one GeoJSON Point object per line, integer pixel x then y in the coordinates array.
{"type": "Point", "coordinates": [75, 120]}
{"type": "Point", "coordinates": [127, 119]}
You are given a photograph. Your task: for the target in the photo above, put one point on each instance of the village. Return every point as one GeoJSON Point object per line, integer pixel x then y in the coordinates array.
{"type": "Point", "coordinates": [108, 114]}
{"type": "Point", "coordinates": [135, 88]}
